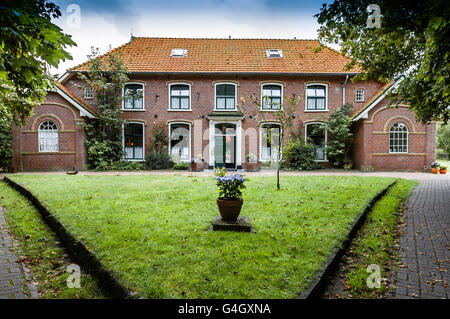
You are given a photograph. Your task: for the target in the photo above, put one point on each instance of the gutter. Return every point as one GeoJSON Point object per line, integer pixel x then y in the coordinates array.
{"type": "Point", "coordinates": [343, 89]}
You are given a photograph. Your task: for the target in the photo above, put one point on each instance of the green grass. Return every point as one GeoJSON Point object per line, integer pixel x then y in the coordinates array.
{"type": "Point", "coordinates": [154, 232]}
{"type": "Point", "coordinates": [374, 243]}
{"type": "Point", "coordinates": [37, 247]}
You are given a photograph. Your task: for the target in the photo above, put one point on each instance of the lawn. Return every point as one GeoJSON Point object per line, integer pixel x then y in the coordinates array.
{"type": "Point", "coordinates": [155, 233]}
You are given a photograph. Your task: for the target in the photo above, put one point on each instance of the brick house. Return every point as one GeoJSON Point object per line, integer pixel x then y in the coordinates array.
{"type": "Point", "coordinates": [194, 87]}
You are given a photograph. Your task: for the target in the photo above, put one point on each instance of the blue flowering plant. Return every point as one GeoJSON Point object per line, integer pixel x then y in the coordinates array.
{"type": "Point", "coordinates": [229, 186]}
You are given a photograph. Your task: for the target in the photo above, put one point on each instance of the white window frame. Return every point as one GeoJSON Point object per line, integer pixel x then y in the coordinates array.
{"type": "Point", "coordinates": [143, 97]}
{"type": "Point", "coordinates": [363, 95]}
{"type": "Point", "coordinates": [261, 141]}
{"type": "Point", "coordinates": [40, 132]}
{"type": "Point", "coordinates": [279, 52]}
{"type": "Point", "coordinates": [88, 89]}
{"type": "Point", "coordinates": [143, 141]}
{"type": "Point", "coordinates": [326, 97]}
{"type": "Point", "coordinates": [262, 96]}
{"type": "Point", "coordinates": [170, 142]}
{"type": "Point", "coordinates": [325, 145]}
{"type": "Point", "coordinates": [174, 53]}
{"type": "Point", "coordinates": [407, 139]}
{"type": "Point", "coordinates": [235, 97]}
{"type": "Point", "coordinates": [170, 100]}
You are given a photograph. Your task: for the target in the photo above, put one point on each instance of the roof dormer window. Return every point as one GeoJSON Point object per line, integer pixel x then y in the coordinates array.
{"type": "Point", "coordinates": [274, 53]}
{"type": "Point", "coordinates": [178, 53]}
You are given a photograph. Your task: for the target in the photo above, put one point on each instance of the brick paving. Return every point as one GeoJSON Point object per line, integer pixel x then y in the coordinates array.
{"type": "Point", "coordinates": [424, 245]}
{"type": "Point", "coordinates": [12, 275]}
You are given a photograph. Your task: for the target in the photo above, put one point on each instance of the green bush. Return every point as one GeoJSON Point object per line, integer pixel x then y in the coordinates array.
{"type": "Point", "coordinates": [299, 155]}
{"type": "Point", "coordinates": [158, 160]}
{"type": "Point", "coordinates": [5, 145]}
{"type": "Point", "coordinates": [181, 166]}
{"type": "Point", "coordinates": [101, 155]}
{"type": "Point", "coordinates": [127, 166]}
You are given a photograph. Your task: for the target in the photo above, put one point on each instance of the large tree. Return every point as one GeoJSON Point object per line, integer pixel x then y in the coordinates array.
{"type": "Point", "coordinates": [29, 41]}
{"type": "Point", "coordinates": [411, 40]}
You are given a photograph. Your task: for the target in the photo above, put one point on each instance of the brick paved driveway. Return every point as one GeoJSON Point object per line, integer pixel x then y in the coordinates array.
{"type": "Point", "coordinates": [424, 244]}
{"type": "Point", "coordinates": [12, 276]}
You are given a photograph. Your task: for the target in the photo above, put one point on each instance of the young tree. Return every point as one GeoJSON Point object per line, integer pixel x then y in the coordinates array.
{"type": "Point", "coordinates": [411, 40]}
{"type": "Point", "coordinates": [283, 115]}
{"type": "Point", "coordinates": [28, 43]}
{"type": "Point", "coordinates": [107, 76]}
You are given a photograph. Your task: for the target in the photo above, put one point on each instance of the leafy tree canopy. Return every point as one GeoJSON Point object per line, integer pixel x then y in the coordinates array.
{"type": "Point", "coordinates": [28, 42]}
{"type": "Point", "coordinates": [412, 40]}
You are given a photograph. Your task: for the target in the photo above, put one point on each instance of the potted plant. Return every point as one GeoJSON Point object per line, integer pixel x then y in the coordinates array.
{"type": "Point", "coordinates": [252, 163]}
{"type": "Point", "coordinates": [435, 168]}
{"type": "Point", "coordinates": [442, 169]}
{"type": "Point", "coordinates": [229, 201]}
{"type": "Point", "coordinates": [197, 163]}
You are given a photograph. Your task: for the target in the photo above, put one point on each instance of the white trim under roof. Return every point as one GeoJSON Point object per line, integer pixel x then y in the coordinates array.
{"type": "Point", "coordinates": [65, 76]}
{"type": "Point", "coordinates": [364, 114]}
{"type": "Point", "coordinates": [83, 111]}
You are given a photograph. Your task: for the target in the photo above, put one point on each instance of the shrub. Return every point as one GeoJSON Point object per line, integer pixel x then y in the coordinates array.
{"type": "Point", "coordinates": [126, 166]}
{"type": "Point", "coordinates": [101, 155]}
{"type": "Point", "coordinates": [5, 145]}
{"type": "Point", "coordinates": [158, 160]}
{"type": "Point", "coordinates": [181, 166]}
{"type": "Point", "coordinates": [299, 155]}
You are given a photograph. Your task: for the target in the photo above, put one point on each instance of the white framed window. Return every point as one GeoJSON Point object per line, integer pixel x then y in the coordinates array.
{"type": "Point", "coordinates": [48, 137]}
{"type": "Point", "coordinates": [133, 141]}
{"type": "Point", "coordinates": [133, 97]}
{"type": "Point", "coordinates": [180, 141]}
{"type": "Point", "coordinates": [398, 138]}
{"type": "Point", "coordinates": [178, 53]}
{"type": "Point", "coordinates": [88, 92]}
{"type": "Point", "coordinates": [359, 95]}
{"type": "Point", "coordinates": [274, 53]}
{"type": "Point", "coordinates": [271, 96]}
{"type": "Point", "coordinates": [316, 97]}
{"type": "Point", "coordinates": [225, 96]}
{"type": "Point", "coordinates": [317, 136]}
{"type": "Point", "coordinates": [270, 141]}
{"type": "Point", "coordinates": [180, 97]}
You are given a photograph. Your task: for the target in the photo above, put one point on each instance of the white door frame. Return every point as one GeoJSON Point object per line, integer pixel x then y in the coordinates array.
{"type": "Point", "coordinates": [212, 141]}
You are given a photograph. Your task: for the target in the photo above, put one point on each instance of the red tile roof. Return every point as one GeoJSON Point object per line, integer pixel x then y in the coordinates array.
{"type": "Point", "coordinates": [229, 56]}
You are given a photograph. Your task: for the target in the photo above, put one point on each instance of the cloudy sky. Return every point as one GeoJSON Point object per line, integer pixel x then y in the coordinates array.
{"type": "Point", "coordinates": [104, 23]}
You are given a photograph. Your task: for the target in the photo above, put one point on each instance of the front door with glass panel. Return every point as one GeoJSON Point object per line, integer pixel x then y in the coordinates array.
{"type": "Point", "coordinates": [225, 145]}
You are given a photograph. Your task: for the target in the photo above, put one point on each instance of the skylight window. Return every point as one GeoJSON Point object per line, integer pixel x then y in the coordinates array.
{"type": "Point", "coordinates": [274, 53]}
{"type": "Point", "coordinates": [178, 53]}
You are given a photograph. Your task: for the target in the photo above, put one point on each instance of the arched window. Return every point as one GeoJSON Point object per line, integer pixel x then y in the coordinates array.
{"type": "Point", "coordinates": [48, 137]}
{"type": "Point", "coordinates": [398, 138]}
{"type": "Point", "coordinates": [270, 140]}
{"type": "Point", "coordinates": [180, 142]}
{"type": "Point", "coordinates": [272, 97]}
{"type": "Point", "coordinates": [133, 94]}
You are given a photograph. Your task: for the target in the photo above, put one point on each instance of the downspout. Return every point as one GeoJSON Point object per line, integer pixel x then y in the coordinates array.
{"type": "Point", "coordinates": [343, 89]}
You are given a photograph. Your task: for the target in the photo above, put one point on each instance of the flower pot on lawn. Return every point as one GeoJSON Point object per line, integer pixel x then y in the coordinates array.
{"type": "Point", "coordinates": [443, 170]}
{"type": "Point", "coordinates": [229, 209]}
{"type": "Point", "coordinates": [253, 166]}
{"type": "Point", "coordinates": [434, 170]}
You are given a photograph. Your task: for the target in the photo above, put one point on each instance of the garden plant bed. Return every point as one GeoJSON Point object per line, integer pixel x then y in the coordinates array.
{"type": "Point", "coordinates": [153, 233]}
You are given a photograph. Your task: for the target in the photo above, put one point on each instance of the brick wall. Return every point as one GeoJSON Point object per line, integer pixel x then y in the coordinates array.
{"type": "Point", "coordinates": [71, 154]}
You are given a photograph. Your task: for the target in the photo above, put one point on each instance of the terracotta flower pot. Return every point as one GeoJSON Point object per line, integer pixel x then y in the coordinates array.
{"type": "Point", "coordinates": [434, 170]}
{"type": "Point", "coordinates": [253, 167]}
{"type": "Point", "coordinates": [442, 171]}
{"type": "Point", "coordinates": [229, 209]}
{"type": "Point", "coordinates": [197, 167]}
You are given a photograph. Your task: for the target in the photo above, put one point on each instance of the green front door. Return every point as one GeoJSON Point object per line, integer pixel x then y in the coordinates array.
{"type": "Point", "coordinates": [225, 146]}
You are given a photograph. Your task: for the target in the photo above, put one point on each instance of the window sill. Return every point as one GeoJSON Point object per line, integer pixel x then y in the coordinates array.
{"type": "Point", "coordinates": [263, 110]}
{"type": "Point", "coordinates": [134, 160]}
{"type": "Point", "coordinates": [225, 110]}
{"type": "Point", "coordinates": [322, 161]}
{"type": "Point", "coordinates": [313, 111]}
{"type": "Point", "coordinates": [179, 110]}
{"type": "Point", "coordinates": [133, 110]}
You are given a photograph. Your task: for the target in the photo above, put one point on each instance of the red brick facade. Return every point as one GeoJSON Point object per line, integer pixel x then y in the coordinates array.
{"type": "Point", "coordinates": [371, 148]}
